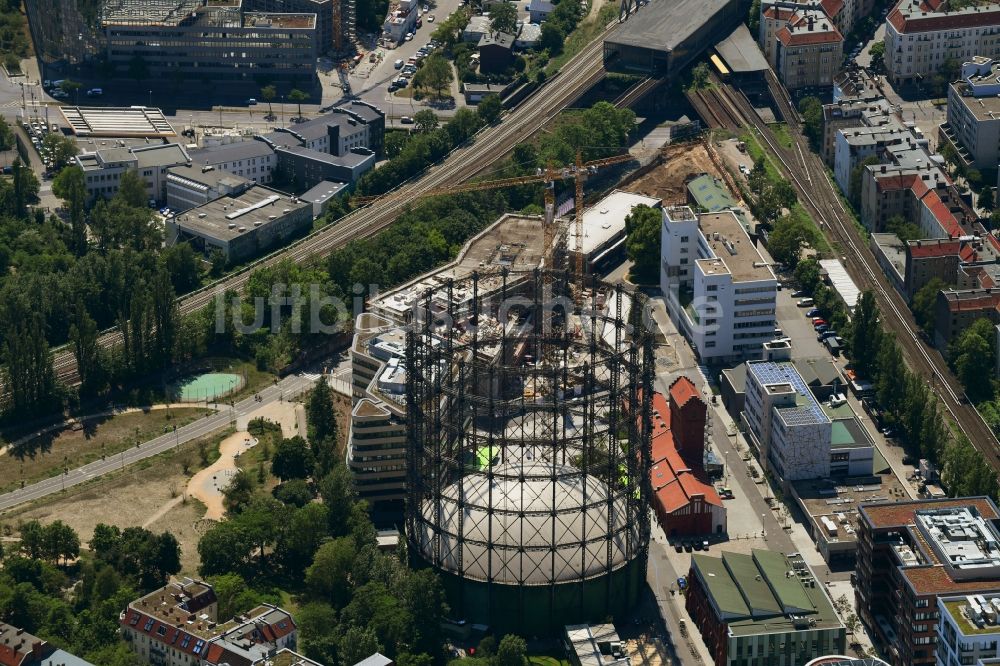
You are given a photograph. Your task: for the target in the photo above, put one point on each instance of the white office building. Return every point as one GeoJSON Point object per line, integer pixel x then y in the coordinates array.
{"type": "Point", "coordinates": [720, 291]}
{"type": "Point", "coordinates": [785, 422]}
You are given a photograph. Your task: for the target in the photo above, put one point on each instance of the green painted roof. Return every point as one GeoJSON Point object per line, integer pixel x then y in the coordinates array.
{"type": "Point", "coordinates": [710, 194]}
{"type": "Point", "coordinates": [789, 590]}
{"type": "Point", "coordinates": [721, 586]}
{"type": "Point", "coordinates": [756, 595]}
{"type": "Point", "coordinates": [840, 436]}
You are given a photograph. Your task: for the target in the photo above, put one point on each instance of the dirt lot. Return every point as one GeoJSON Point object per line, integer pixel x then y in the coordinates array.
{"type": "Point", "coordinates": [667, 181]}
{"type": "Point", "coordinates": [131, 498]}
{"type": "Point", "coordinates": [46, 455]}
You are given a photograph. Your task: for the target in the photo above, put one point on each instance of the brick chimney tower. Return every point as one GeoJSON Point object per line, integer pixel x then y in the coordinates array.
{"type": "Point", "coordinates": [687, 421]}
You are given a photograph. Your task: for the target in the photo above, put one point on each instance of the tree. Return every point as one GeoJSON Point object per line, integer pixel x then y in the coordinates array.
{"type": "Point", "coordinates": [924, 301]}
{"type": "Point", "coordinates": [358, 643]}
{"type": "Point", "coordinates": [268, 94]}
{"type": "Point", "coordinates": [327, 578]}
{"type": "Point", "coordinates": [60, 148]}
{"type": "Point", "coordinates": [322, 424]}
{"type": "Point", "coordinates": [503, 17]}
{"type": "Point", "coordinates": [233, 594]}
{"type": "Point", "coordinates": [786, 241]}
{"type": "Point", "coordinates": [904, 229]}
{"type": "Point", "coordinates": [33, 539]}
{"type": "Point", "coordinates": [490, 108]}
{"type": "Point", "coordinates": [184, 267]}
{"type": "Point", "coordinates": [294, 492]}
{"type": "Point", "coordinates": [986, 200]}
{"type": "Point", "coordinates": [71, 186]}
{"type": "Point", "coordinates": [29, 374]}
{"type": "Point", "coordinates": [6, 135]}
{"type": "Point", "coordinates": [699, 75]}
{"type": "Point", "coordinates": [71, 87]}
{"type": "Point", "coordinates": [965, 472]}
{"type": "Point", "coordinates": [970, 353]}
{"type": "Point", "coordinates": [552, 37]}
{"type": "Point", "coordinates": [238, 493]}
{"type": "Point", "coordinates": [807, 274]}
{"type": "Point", "coordinates": [339, 496]}
{"type": "Point", "coordinates": [877, 52]}
{"type": "Point", "coordinates": [132, 190]}
{"type": "Point", "coordinates": [811, 109]}
{"type": "Point", "coordinates": [865, 335]}
{"type": "Point", "coordinates": [292, 459]}
{"type": "Point", "coordinates": [60, 542]}
{"type": "Point", "coordinates": [225, 548]}
{"type": "Point", "coordinates": [512, 651]}
{"type": "Point", "coordinates": [435, 74]}
{"type": "Point", "coordinates": [425, 120]}
{"type": "Point", "coordinates": [642, 229]}
{"type": "Point", "coordinates": [298, 97]}
{"type": "Point", "coordinates": [753, 18]}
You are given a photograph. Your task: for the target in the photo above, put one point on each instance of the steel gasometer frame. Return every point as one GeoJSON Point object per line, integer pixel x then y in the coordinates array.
{"type": "Point", "coordinates": [529, 445]}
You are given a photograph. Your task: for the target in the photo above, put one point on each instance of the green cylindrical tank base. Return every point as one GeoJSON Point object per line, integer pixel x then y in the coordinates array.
{"type": "Point", "coordinates": [544, 610]}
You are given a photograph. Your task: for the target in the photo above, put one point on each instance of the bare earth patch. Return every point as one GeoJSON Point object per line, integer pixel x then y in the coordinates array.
{"type": "Point", "coordinates": [668, 181]}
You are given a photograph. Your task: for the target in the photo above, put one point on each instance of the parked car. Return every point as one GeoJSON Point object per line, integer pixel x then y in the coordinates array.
{"type": "Point", "coordinates": [688, 547]}
{"type": "Point", "coordinates": [814, 312]}
{"type": "Point", "coordinates": [678, 547]}
{"type": "Point", "coordinates": [818, 320]}
{"type": "Point", "coordinates": [704, 544]}
{"type": "Point", "coordinates": [409, 37]}
{"type": "Point", "coordinates": [430, 19]}
{"type": "Point", "coordinates": [95, 92]}
{"type": "Point", "coordinates": [398, 64]}
{"type": "Point", "coordinates": [820, 328]}
{"type": "Point", "coordinates": [805, 303]}
{"type": "Point", "coordinates": [406, 120]}
{"type": "Point", "coordinates": [252, 102]}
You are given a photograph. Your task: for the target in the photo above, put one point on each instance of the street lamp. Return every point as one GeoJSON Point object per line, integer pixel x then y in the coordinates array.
{"type": "Point", "coordinates": [150, 99]}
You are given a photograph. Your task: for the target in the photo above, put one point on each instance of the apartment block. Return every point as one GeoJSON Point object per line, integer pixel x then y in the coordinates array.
{"type": "Point", "coordinates": [956, 309]}
{"type": "Point", "coordinates": [809, 51]}
{"type": "Point", "coordinates": [376, 447]}
{"type": "Point", "coordinates": [845, 114]}
{"type": "Point", "coordinates": [218, 40]}
{"type": "Point", "coordinates": [973, 126]}
{"type": "Point", "coordinates": [720, 290]}
{"type": "Point", "coordinates": [19, 648]}
{"type": "Point", "coordinates": [923, 195]}
{"type": "Point", "coordinates": [921, 35]}
{"type": "Point", "coordinates": [967, 631]}
{"type": "Point", "coordinates": [177, 625]}
{"type": "Point", "coordinates": [853, 146]}
{"type": "Point", "coordinates": [910, 553]}
{"type": "Point", "coordinates": [762, 608]}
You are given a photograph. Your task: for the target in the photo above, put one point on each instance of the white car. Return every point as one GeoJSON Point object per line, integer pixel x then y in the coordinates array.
{"type": "Point", "coordinates": [430, 19]}
{"type": "Point", "coordinates": [409, 36]}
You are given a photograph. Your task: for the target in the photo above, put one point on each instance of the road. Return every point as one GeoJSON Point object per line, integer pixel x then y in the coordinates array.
{"type": "Point", "coordinates": [289, 387]}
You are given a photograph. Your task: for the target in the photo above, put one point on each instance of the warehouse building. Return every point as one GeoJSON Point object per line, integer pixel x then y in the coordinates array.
{"type": "Point", "coordinates": [241, 226]}
{"type": "Point", "coordinates": [662, 38]}
{"type": "Point", "coordinates": [306, 168]}
{"type": "Point", "coordinates": [192, 39]}
{"type": "Point", "coordinates": [762, 608]}
{"type": "Point", "coordinates": [685, 502]}
{"type": "Point", "coordinates": [192, 185]}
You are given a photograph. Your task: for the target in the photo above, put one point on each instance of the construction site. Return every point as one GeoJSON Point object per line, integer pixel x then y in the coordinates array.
{"type": "Point", "coordinates": [528, 446]}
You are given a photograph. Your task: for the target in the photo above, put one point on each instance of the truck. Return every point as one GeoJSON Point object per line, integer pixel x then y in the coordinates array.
{"type": "Point", "coordinates": [832, 345]}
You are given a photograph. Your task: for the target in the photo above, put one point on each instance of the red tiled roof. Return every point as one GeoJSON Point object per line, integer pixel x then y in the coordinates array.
{"type": "Point", "coordinates": [931, 21]}
{"type": "Point", "coordinates": [674, 481]}
{"type": "Point", "coordinates": [682, 390]}
{"type": "Point", "coordinates": [900, 514]}
{"type": "Point", "coordinates": [942, 214]}
{"type": "Point", "coordinates": [932, 249]}
{"type": "Point", "coordinates": [779, 13]}
{"type": "Point", "coordinates": [214, 653]}
{"type": "Point", "coordinates": [994, 241]}
{"type": "Point", "coordinates": [172, 636]}
{"type": "Point", "coordinates": [802, 37]}
{"type": "Point", "coordinates": [984, 302]}
{"type": "Point", "coordinates": [967, 253]}
{"type": "Point", "coordinates": [832, 7]}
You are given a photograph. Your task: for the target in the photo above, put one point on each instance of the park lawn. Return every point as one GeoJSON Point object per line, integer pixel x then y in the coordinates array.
{"type": "Point", "coordinates": [586, 31]}
{"type": "Point", "coordinates": [50, 452]}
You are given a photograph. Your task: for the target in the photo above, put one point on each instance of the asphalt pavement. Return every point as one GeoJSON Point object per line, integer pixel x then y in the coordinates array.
{"type": "Point", "coordinates": [287, 388]}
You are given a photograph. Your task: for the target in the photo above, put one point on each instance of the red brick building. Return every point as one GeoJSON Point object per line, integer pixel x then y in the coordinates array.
{"type": "Point", "coordinates": [909, 553]}
{"type": "Point", "coordinates": [686, 503]}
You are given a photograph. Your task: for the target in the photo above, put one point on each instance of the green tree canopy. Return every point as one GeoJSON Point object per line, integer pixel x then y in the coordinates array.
{"type": "Point", "coordinates": [642, 228]}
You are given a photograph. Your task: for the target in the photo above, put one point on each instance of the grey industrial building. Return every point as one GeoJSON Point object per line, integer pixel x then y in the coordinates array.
{"type": "Point", "coordinates": [661, 38]}
{"type": "Point", "coordinates": [243, 225]}
{"type": "Point", "coordinates": [192, 185]}
{"type": "Point", "coordinates": [306, 168]}
{"type": "Point", "coordinates": [218, 40]}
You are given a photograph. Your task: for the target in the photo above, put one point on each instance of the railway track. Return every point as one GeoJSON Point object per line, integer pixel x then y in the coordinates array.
{"type": "Point", "coordinates": [715, 113]}
{"type": "Point", "coordinates": [463, 163]}
{"type": "Point", "coordinates": [818, 194]}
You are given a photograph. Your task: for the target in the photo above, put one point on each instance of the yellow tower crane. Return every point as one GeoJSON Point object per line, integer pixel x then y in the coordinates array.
{"type": "Point", "coordinates": [579, 171]}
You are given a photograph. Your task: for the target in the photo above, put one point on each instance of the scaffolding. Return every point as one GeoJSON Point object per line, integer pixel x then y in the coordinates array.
{"type": "Point", "coordinates": [529, 446]}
